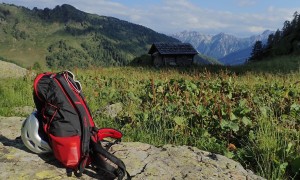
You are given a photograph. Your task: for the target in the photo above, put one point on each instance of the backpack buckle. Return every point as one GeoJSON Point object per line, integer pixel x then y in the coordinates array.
{"type": "Point", "coordinates": [120, 174]}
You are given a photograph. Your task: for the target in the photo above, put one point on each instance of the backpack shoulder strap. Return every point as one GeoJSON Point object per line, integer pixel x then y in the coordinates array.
{"type": "Point", "coordinates": [81, 107]}
{"type": "Point", "coordinates": [98, 156]}
{"type": "Point", "coordinates": [85, 117]}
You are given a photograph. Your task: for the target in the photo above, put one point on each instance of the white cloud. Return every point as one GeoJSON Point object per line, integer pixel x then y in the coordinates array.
{"type": "Point", "coordinates": [256, 29]}
{"type": "Point", "coordinates": [169, 16]}
{"type": "Point", "coordinates": [246, 3]}
{"type": "Point", "coordinates": [175, 18]}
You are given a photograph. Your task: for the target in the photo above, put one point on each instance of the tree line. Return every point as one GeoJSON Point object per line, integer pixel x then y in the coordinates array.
{"type": "Point", "coordinates": [283, 42]}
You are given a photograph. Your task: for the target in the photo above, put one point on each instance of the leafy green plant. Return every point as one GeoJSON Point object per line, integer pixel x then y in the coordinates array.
{"type": "Point", "coordinates": [252, 118]}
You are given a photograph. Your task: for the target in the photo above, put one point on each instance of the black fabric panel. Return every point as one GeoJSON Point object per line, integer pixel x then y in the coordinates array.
{"type": "Point", "coordinates": [42, 90]}
{"type": "Point", "coordinates": [66, 118]}
{"type": "Point", "coordinates": [62, 128]}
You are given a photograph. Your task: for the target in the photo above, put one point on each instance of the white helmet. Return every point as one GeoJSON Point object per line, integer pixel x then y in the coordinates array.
{"type": "Point", "coordinates": [30, 135]}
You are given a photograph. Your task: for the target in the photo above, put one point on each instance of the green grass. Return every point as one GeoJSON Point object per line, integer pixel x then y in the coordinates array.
{"type": "Point", "coordinates": [208, 108]}
{"type": "Point", "coordinates": [15, 93]}
{"type": "Point", "coordinates": [283, 64]}
{"type": "Point", "coordinates": [271, 150]}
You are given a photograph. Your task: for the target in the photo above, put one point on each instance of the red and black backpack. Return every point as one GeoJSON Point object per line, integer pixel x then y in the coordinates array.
{"type": "Point", "coordinates": [70, 129]}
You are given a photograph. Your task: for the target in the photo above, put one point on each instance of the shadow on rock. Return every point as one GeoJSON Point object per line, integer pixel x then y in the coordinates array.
{"type": "Point", "coordinates": [16, 143]}
{"type": "Point", "coordinates": [89, 171]}
{"type": "Point", "coordinates": [50, 159]}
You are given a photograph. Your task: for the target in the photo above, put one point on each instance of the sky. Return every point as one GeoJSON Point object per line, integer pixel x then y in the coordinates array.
{"type": "Point", "coordinates": [241, 18]}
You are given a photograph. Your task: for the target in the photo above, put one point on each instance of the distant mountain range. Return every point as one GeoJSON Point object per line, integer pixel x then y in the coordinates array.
{"type": "Point", "coordinates": [228, 49]}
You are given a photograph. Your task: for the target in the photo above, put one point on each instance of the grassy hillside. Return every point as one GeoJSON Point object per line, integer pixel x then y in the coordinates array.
{"type": "Point", "coordinates": [67, 37]}
{"type": "Point", "coordinates": [282, 64]}
{"type": "Point", "coordinates": [205, 60]}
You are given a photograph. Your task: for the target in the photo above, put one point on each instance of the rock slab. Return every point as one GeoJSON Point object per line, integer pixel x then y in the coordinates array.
{"type": "Point", "coordinates": [10, 70]}
{"type": "Point", "coordinates": [143, 161]}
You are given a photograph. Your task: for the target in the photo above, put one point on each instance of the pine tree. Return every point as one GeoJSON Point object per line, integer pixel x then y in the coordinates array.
{"type": "Point", "coordinates": [257, 51]}
{"type": "Point", "coordinates": [270, 41]}
{"type": "Point", "coordinates": [277, 37]}
{"type": "Point", "coordinates": [287, 28]}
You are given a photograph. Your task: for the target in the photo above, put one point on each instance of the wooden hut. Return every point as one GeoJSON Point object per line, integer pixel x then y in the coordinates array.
{"type": "Point", "coordinates": [172, 54]}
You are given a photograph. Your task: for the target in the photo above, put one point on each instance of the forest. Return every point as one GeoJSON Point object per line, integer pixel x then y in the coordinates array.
{"type": "Point", "coordinates": [283, 42]}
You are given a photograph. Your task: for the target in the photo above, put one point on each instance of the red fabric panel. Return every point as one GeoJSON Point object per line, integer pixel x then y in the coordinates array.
{"type": "Point", "coordinates": [67, 150]}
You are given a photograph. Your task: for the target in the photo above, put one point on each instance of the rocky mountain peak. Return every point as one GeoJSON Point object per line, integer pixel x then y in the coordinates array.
{"type": "Point", "coordinates": [220, 45]}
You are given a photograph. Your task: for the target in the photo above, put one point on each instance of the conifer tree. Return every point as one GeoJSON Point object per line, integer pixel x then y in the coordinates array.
{"type": "Point", "coordinates": [257, 51]}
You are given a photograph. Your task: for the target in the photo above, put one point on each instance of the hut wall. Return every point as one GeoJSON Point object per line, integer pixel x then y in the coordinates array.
{"type": "Point", "coordinates": [184, 60]}
{"type": "Point", "coordinates": [157, 60]}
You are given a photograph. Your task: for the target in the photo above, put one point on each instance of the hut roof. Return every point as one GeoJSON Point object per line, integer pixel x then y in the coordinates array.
{"type": "Point", "coordinates": [172, 48]}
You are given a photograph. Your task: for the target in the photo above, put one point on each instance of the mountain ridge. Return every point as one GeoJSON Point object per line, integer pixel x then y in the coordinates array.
{"type": "Point", "coordinates": [220, 46]}
{"type": "Point", "coordinates": [67, 37]}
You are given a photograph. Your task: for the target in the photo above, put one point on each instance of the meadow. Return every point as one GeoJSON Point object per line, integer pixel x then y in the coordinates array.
{"type": "Point", "coordinates": [249, 114]}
